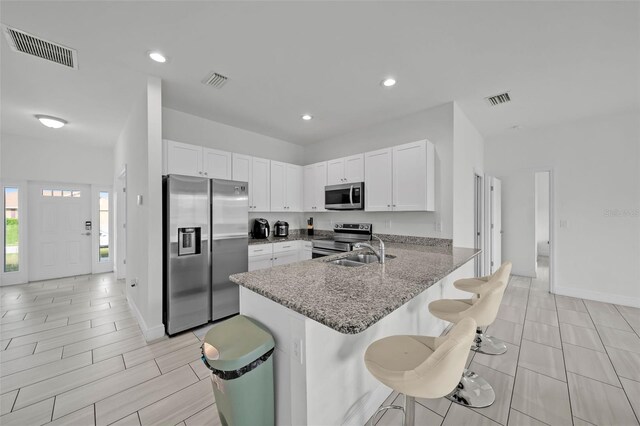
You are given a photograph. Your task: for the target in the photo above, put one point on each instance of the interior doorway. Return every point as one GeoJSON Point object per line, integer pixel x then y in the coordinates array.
{"type": "Point", "coordinates": [121, 226]}
{"type": "Point", "coordinates": [542, 230]}
{"type": "Point", "coordinates": [478, 227]}
{"type": "Point", "coordinates": [493, 242]}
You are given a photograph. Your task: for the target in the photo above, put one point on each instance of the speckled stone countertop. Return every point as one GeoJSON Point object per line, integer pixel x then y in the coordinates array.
{"type": "Point", "coordinates": [350, 300]}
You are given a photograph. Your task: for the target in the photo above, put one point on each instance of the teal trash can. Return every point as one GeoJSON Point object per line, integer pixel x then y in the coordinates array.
{"type": "Point", "coordinates": [239, 353]}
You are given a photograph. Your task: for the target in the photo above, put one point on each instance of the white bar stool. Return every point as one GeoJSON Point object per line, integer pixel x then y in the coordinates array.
{"type": "Point", "coordinates": [473, 390]}
{"type": "Point", "coordinates": [483, 343]}
{"type": "Point", "coordinates": [420, 366]}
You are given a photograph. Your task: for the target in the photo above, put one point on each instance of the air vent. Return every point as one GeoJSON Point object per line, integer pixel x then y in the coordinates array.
{"type": "Point", "coordinates": [20, 41]}
{"type": "Point", "coordinates": [502, 98]}
{"type": "Point", "coordinates": [216, 80]}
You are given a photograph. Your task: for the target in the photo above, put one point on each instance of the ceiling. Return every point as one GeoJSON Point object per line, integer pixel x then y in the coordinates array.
{"type": "Point", "coordinates": [560, 61]}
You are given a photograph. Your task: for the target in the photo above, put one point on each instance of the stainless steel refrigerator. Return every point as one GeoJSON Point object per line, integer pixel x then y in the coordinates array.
{"type": "Point", "coordinates": [205, 237]}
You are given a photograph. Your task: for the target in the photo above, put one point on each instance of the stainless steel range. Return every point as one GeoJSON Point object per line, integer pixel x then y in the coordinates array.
{"type": "Point", "coordinates": [345, 235]}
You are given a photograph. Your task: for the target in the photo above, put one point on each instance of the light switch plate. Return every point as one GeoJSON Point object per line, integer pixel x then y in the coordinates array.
{"type": "Point", "coordinates": [139, 200]}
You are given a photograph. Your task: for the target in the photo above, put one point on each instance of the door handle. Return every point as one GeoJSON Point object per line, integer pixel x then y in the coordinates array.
{"type": "Point", "coordinates": [86, 233]}
{"type": "Point", "coordinates": [351, 195]}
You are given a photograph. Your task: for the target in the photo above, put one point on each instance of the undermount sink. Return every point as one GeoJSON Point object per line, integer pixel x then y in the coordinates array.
{"type": "Point", "coordinates": [359, 260]}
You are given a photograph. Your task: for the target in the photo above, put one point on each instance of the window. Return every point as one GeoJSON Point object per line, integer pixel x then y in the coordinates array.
{"type": "Point", "coordinates": [103, 225]}
{"type": "Point", "coordinates": [11, 230]}
{"type": "Point", "coordinates": [61, 193]}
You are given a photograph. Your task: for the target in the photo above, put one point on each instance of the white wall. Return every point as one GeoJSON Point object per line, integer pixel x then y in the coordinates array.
{"type": "Point", "coordinates": [27, 159]}
{"type": "Point", "coordinates": [468, 160]}
{"type": "Point", "coordinates": [139, 147]}
{"type": "Point", "coordinates": [542, 213]}
{"type": "Point", "coordinates": [434, 124]}
{"type": "Point", "coordinates": [596, 176]}
{"type": "Point", "coordinates": [182, 127]}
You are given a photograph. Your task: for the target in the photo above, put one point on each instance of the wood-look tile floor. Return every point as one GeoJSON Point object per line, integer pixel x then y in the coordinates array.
{"type": "Point", "coordinates": [569, 362]}
{"type": "Point", "coordinates": [72, 354]}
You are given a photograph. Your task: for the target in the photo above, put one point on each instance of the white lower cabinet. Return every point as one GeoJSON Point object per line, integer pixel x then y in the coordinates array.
{"type": "Point", "coordinates": [263, 256]}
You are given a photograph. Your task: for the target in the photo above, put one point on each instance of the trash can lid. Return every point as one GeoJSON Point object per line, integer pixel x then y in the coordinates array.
{"type": "Point", "coordinates": [236, 342]}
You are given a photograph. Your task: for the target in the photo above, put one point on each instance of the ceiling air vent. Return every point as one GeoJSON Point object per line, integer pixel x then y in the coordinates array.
{"type": "Point", "coordinates": [216, 80]}
{"type": "Point", "coordinates": [20, 41]}
{"type": "Point", "coordinates": [502, 98]}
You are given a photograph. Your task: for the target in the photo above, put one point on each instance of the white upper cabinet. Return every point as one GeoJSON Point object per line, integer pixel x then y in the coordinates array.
{"type": "Point", "coordinates": [345, 170]}
{"type": "Point", "coordinates": [308, 201]}
{"type": "Point", "coordinates": [260, 181]}
{"type": "Point", "coordinates": [294, 184]}
{"type": "Point", "coordinates": [413, 177]}
{"type": "Point", "coordinates": [241, 168]}
{"type": "Point", "coordinates": [377, 182]}
{"type": "Point", "coordinates": [184, 159]}
{"type": "Point", "coordinates": [216, 163]}
{"type": "Point", "coordinates": [255, 171]}
{"type": "Point", "coordinates": [401, 178]}
{"type": "Point", "coordinates": [193, 160]}
{"type": "Point", "coordinates": [354, 168]}
{"type": "Point", "coordinates": [315, 179]}
{"type": "Point", "coordinates": [286, 187]}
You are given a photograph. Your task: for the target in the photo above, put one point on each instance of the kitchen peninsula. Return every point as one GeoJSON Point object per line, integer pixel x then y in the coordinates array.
{"type": "Point", "coordinates": [323, 316]}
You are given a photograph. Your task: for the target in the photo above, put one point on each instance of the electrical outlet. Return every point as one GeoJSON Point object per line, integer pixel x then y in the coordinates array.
{"type": "Point", "coordinates": [438, 226]}
{"type": "Point", "coordinates": [387, 224]}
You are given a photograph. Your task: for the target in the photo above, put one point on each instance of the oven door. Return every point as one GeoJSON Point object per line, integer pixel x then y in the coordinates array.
{"type": "Point", "coordinates": [317, 252]}
{"type": "Point", "coordinates": [348, 196]}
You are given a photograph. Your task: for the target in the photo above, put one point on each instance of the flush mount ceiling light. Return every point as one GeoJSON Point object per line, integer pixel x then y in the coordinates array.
{"type": "Point", "coordinates": [306, 117]}
{"type": "Point", "coordinates": [158, 57]}
{"type": "Point", "coordinates": [388, 82]}
{"type": "Point", "coordinates": [49, 121]}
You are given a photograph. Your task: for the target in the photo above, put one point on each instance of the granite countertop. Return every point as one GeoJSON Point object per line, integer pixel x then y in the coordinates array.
{"type": "Point", "coordinates": [350, 300]}
{"type": "Point", "coordinates": [272, 239]}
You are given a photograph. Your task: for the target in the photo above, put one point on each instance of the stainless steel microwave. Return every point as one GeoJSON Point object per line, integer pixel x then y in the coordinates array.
{"type": "Point", "coordinates": [346, 196]}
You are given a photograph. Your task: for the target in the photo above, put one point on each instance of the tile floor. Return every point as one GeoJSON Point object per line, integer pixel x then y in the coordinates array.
{"type": "Point", "coordinates": [72, 353]}
{"type": "Point", "coordinates": [569, 362]}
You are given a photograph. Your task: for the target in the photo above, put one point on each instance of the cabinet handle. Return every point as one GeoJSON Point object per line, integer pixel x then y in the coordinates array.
{"type": "Point", "coordinates": [258, 250]}
{"type": "Point", "coordinates": [388, 205]}
{"type": "Point", "coordinates": [206, 173]}
{"type": "Point", "coordinates": [200, 172]}
{"type": "Point", "coordinates": [394, 205]}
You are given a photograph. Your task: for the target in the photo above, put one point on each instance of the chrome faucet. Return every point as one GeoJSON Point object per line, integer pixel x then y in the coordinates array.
{"type": "Point", "coordinates": [379, 254]}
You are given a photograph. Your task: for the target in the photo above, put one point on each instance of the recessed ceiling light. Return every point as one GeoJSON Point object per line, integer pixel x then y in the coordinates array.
{"type": "Point", "coordinates": [306, 117]}
{"type": "Point", "coordinates": [49, 121]}
{"type": "Point", "coordinates": [158, 57]}
{"type": "Point", "coordinates": [516, 127]}
{"type": "Point", "coordinates": [388, 82]}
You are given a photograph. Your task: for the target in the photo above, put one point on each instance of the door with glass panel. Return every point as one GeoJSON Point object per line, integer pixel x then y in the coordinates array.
{"type": "Point", "coordinates": [60, 230]}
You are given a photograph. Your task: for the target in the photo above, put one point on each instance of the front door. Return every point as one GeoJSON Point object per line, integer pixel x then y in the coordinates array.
{"type": "Point", "coordinates": [60, 230]}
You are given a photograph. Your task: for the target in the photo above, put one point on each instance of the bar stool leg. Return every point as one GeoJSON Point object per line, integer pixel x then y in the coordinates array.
{"type": "Point", "coordinates": [487, 344]}
{"type": "Point", "coordinates": [472, 391]}
{"type": "Point", "coordinates": [409, 411]}
{"type": "Point", "coordinates": [388, 407]}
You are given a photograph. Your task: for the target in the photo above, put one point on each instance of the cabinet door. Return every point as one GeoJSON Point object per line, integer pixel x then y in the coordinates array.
{"type": "Point", "coordinates": [241, 170]}
{"type": "Point", "coordinates": [293, 188]}
{"type": "Point", "coordinates": [216, 164]}
{"type": "Point", "coordinates": [320, 181]}
{"type": "Point", "coordinates": [184, 159]}
{"type": "Point", "coordinates": [285, 258]}
{"type": "Point", "coordinates": [354, 168]}
{"type": "Point", "coordinates": [278, 186]}
{"type": "Point", "coordinates": [377, 181]}
{"type": "Point", "coordinates": [335, 171]}
{"type": "Point", "coordinates": [260, 262]}
{"type": "Point", "coordinates": [261, 183]}
{"type": "Point", "coordinates": [309, 195]}
{"type": "Point", "coordinates": [410, 177]}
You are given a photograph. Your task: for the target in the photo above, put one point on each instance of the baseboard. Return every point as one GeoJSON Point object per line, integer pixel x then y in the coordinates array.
{"type": "Point", "coordinates": [598, 296]}
{"type": "Point", "coordinates": [150, 334]}
{"type": "Point", "coordinates": [361, 411]}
